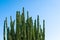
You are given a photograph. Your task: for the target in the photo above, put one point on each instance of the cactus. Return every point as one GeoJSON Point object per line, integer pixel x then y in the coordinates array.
{"type": "Point", "coordinates": [43, 30]}
{"type": "Point", "coordinates": [18, 25]}
{"type": "Point", "coordinates": [8, 33]}
{"type": "Point", "coordinates": [12, 27]}
{"type": "Point", "coordinates": [25, 29]}
{"type": "Point", "coordinates": [40, 35]}
{"type": "Point", "coordinates": [35, 30]}
{"type": "Point", "coordinates": [38, 27]}
{"type": "Point", "coordinates": [4, 30]}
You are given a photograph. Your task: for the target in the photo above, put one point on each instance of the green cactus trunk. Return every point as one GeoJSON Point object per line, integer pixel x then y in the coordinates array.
{"type": "Point", "coordinates": [18, 22]}
{"type": "Point", "coordinates": [37, 27]}
{"type": "Point", "coordinates": [43, 30]}
{"type": "Point", "coordinates": [4, 30]}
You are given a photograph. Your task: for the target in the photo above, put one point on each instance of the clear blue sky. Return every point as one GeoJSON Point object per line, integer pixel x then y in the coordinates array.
{"type": "Point", "coordinates": [46, 9]}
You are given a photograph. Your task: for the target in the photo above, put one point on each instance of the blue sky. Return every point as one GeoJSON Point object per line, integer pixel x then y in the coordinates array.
{"type": "Point", "coordinates": [46, 9]}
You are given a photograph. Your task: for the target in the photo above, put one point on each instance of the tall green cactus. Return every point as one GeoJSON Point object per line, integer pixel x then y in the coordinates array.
{"type": "Point", "coordinates": [43, 29]}
{"type": "Point", "coordinates": [25, 30]}
{"type": "Point", "coordinates": [40, 34]}
{"type": "Point", "coordinates": [38, 27]}
{"type": "Point", "coordinates": [8, 33]}
{"type": "Point", "coordinates": [18, 37]}
{"type": "Point", "coordinates": [27, 27]}
{"type": "Point", "coordinates": [35, 30]}
{"type": "Point", "coordinates": [12, 27]}
{"type": "Point", "coordinates": [30, 27]}
{"type": "Point", "coordinates": [24, 25]}
{"type": "Point", "coordinates": [4, 30]}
